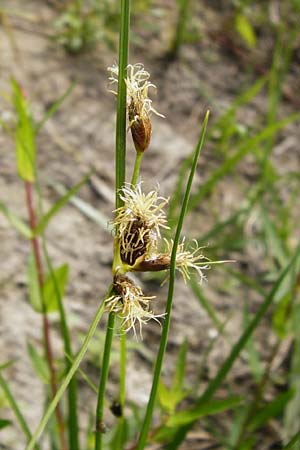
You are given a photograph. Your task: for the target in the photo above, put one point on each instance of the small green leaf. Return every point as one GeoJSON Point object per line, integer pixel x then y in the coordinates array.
{"type": "Point", "coordinates": [60, 277]}
{"type": "Point", "coordinates": [58, 205]}
{"type": "Point", "coordinates": [4, 423]}
{"type": "Point", "coordinates": [39, 364]}
{"type": "Point", "coordinates": [15, 221]}
{"type": "Point", "coordinates": [212, 407]}
{"type": "Point", "coordinates": [245, 29]}
{"type": "Point", "coordinates": [24, 135]}
{"type": "Point", "coordinates": [54, 107]}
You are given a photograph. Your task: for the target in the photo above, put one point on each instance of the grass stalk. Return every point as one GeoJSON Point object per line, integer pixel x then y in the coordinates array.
{"type": "Point", "coordinates": [46, 326]}
{"type": "Point", "coordinates": [136, 169]}
{"type": "Point", "coordinates": [70, 374]}
{"type": "Point", "coordinates": [72, 391]}
{"type": "Point", "coordinates": [180, 28]}
{"type": "Point", "coordinates": [165, 330]}
{"type": "Point", "coordinates": [121, 100]}
{"type": "Point", "coordinates": [103, 379]}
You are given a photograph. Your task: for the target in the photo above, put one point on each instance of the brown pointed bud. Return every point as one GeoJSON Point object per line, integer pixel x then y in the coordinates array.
{"type": "Point", "coordinates": [141, 128]}
{"type": "Point", "coordinates": [161, 262]}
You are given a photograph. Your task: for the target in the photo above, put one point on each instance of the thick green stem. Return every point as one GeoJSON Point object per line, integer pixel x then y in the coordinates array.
{"type": "Point", "coordinates": [103, 379]}
{"type": "Point", "coordinates": [165, 331]}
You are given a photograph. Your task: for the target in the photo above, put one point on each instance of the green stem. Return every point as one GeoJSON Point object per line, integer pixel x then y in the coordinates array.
{"type": "Point", "coordinates": [70, 374]}
{"type": "Point", "coordinates": [166, 325]}
{"type": "Point", "coordinates": [15, 408]}
{"type": "Point", "coordinates": [46, 326]}
{"type": "Point", "coordinates": [121, 100]}
{"type": "Point", "coordinates": [103, 379]}
{"type": "Point", "coordinates": [72, 391]}
{"type": "Point", "coordinates": [136, 169]}
{"type": "Point", "coordinates": [123, 351]}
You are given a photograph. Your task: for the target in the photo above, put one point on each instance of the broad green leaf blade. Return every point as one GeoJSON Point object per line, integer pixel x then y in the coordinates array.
{"type": "Point", "coordinates": [52, 110]}
{"type": "Point", "coordinates": [24, 135]}
{"type": "Point", "coordinates": [50, 299]}
{"type": "Point", "coordinates": [15, 221]}
{"type": "Point", "coordinates": [216, 382]}
{"type": "Point", "coordinates": [39, 364]}
{"type": "Point", "coordinates": [34, 294]}
{"type": "Point", "coordinates": [58, 205]}
{"type": "Point", "coordinates": [206, 409]}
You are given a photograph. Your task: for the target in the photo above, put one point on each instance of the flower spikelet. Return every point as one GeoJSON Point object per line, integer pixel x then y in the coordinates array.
{"type": "Point", "coordinates": [188, 260]}
{"type": "Point", "coordinates": [138, 222]}
{"type": "Point", "coordinates": [139, 105]}
{"type": "Point", "coordinates": [130, 304]}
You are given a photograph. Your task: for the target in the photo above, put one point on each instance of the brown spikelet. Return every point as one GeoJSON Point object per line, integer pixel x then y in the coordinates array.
{"type": "Point", "coordinates": [140, 126]}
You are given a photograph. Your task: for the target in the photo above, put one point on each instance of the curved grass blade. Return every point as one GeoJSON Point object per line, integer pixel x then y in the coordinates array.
{"type": "Point", "coordinates": [166, 325]}
{"type": "Point", "coordinates": [15, 408]}
{"type": "Point", "coordinates": [51, 408]}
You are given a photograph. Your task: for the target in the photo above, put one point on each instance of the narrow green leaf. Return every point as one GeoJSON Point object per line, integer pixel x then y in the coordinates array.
{"type": "Point", "coordinates": [49, 289]}
{"type": "Point", "coordinates": [34, 294]}
{"type": "Point", "coordinates": [212, 407]}
{"type": "Point", "coordinates": [15, 221]}
{"type": "Point", "coordinates": [53, 108]}
{"type": "Point", "coordinates": [231, 162]}
{"type": "Point", "coordinates": [86, 209]}
{"type": "Point", "coordinates": [206, 305]}
{"type": "Point", "coordinates": [245, 29]}
{"type": "Point", "coordinates": [275, 244]}
{"type": "Point", "coordinates": [166, 325]}
{"type": "Point", "coordinates": [58, 205]}
{"type": "Point", "coordinates": [272, 409]}
{"type": "Point", "coordinates": [178, 380]}
{"type": "Point", "coordinates": [7, 364]}
{"type": "Point", "coordinates": [236, 350]}
{"type": "Point", "coordinates": [51, 407]}
{"type": "Point", "coordinates": [24, 135]}
{"type": "Point", "coordinates": [292, 444]}
{"type": "Point", "coordinates": [39, 364]}
{"type": "Point", "coordinates": [16, 410]}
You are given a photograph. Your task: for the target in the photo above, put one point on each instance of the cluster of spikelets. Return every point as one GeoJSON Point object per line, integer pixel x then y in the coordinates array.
{"type": "Point", "coordinates": [139, 222]}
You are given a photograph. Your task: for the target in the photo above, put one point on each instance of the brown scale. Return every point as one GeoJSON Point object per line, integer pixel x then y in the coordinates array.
{"type": "Point", "coordinates": [132, 240]}
{"type": "Point", "coordinates": [140, 128]}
